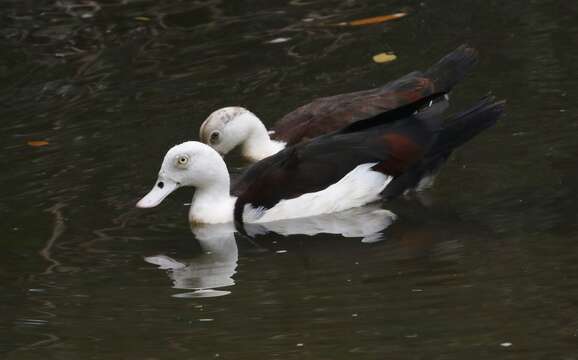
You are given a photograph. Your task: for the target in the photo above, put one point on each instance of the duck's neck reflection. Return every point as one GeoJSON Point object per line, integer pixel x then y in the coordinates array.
{"type": "Point", "coordinates": [211, 270]}
{"type": "Point", "coordinates": [215, 268]}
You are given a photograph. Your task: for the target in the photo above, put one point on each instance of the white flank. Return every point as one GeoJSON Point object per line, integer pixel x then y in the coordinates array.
{"type": "Point", "coordinates": [360, 186]}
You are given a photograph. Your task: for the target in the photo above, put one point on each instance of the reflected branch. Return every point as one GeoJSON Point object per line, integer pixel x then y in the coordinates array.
{"type": "Point", "coordinates": [57, 231]}
{"type": "Point", "coordinates": [51, 339]}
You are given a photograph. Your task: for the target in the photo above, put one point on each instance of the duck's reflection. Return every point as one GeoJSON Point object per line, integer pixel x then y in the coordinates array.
{"type": "Point", "coordinates": [209, 271]}
{"type": "Point", "coordinates": [366, 222]}
{"type": "Point", "coordinates": [214, 269]}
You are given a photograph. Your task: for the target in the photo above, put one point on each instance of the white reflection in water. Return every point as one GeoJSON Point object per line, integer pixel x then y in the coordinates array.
{"type": "Point", "coordinates": [217, 265]}
{"type": "Point", "coordinates": [211, 270]}
{"type": "Point", "coordinates": [365, 222]}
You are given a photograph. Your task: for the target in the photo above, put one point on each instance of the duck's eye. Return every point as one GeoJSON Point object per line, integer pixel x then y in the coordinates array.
{"type": "Point", "coordinates": [214, 138]}
{"type": "Point", "coordinates": [182, 160]}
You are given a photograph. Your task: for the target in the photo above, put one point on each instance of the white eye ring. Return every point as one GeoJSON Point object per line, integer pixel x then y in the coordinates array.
{"type": "Point", "coordinates": [182, 160]}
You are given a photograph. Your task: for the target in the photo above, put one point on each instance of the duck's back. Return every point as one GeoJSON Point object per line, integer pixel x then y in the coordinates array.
{"type": "Point", "coordinates": [403, 149]}
{"type": "Point", "coordinates": [328, 114]}
{"type": "Point", "coordinates": [392, 141]}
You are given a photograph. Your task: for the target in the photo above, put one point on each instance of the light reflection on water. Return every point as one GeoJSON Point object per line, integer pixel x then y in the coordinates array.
{"type": "Point", "coordinates": [487, 260]}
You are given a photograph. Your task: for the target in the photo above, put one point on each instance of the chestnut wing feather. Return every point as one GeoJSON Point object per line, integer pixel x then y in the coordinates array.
{"type": "Point", "coordinates": [328, 114]}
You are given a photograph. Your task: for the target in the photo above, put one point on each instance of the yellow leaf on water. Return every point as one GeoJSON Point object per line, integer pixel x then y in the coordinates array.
{"type": "Point", "coordinates": [384, 57]}
{"type": "Point", "coordinates": [37, 143]}
{"type": "Point", "coordinates": [142, 18]}
{"type": "Point", "coordinates": [373, 20]}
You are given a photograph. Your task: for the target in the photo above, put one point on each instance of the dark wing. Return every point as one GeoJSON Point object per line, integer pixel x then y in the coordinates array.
{"type": "Point", "coordinates": [407, 150]}
{"type": "Point", "coordinates": [313, 166]}
{"type": "Point", "coordinates": [328, 114]}
{"type": "Point", "coordinates": [429, 116]}
{"type": "Point", "coordinates": [396, 119]}
{"type": "Point", "coordinates": [456, 131]}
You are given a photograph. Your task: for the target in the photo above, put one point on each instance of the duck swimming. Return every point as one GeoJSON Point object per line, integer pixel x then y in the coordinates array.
{"type": "Point", "coordinates": [235, 126]}
{"type": "Point", "coordinates": [379, 157]}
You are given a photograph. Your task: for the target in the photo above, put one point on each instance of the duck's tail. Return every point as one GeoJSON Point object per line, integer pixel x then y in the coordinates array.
{"type": "Point", "coordinates": [458, 130]}
{"type": "Point", "coordinates": [452, 68]}
{"type": "Point", "coordinates": [464, 126]}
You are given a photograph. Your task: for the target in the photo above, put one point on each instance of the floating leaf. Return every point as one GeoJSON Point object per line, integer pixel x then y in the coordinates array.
{"type": "Point", "coordinates": [384, 57]}
{"type": "Point", "coordinates": [37, 143]}
{"type": "Point", "coordinates": [142, 18]}
{"type": "Point", "coordinates": [373, 20]}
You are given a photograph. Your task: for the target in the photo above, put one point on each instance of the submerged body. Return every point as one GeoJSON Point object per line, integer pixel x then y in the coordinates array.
{"type": "Point", "coordinates": [378, 157]}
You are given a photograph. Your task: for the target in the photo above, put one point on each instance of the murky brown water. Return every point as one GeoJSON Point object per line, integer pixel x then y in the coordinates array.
{"type": "Point", "coordinates": [483, 267]}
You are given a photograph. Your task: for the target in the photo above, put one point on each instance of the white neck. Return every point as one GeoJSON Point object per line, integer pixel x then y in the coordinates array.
{"type": "Point", "coordinates": [258, 145]}
{"type": "Point", "coordinates": [212, 202]}
{"type": "Point", "coordinates": [211, 206]}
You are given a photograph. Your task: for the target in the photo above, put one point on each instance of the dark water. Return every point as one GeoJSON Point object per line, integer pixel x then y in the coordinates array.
{"type": "Point", "coordinates": [484, 266]}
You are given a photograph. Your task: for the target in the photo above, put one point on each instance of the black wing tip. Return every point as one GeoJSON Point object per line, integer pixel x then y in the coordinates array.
{"type": "Point", "coordinates": [467, 50]}
{"type": "Point", "coordinates": [453, 67]}
{"type": "Point", "coordinates": [469, 123]}
{"type": "Point", "coordinates": [499, 106]}
{"type": "Point", "coordinates": [489, 104]}
{"type": "Point", "coordinates": [464, 55]}
{"type": "Point", "coordinates": [493, 110]}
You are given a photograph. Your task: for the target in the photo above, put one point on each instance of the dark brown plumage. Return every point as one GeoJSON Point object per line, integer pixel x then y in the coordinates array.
{"type": "Point", "coordinates": [328, 114]}
{"type": "Point", "coordinates": [404, 145]}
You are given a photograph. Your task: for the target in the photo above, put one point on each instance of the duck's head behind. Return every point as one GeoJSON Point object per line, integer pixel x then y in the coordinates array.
{"type": "Point", "coordinates": [233, 126]}
{"type": "Point", "coordinates": [188, 164]}
{"type": "Point", "coordinates": [227, 128]}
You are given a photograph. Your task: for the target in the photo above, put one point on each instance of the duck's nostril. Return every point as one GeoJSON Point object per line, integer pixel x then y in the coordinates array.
{"type": "Point", "coordinates": [161, 184]}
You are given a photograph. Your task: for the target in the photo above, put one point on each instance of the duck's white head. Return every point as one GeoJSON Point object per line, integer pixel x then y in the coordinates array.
{"type": "Point", "coordinates": [233, 126]}
{"type": "Point", "coordinates": [188, 164]}
{"type": "Point", "coordinates": [227, 128]}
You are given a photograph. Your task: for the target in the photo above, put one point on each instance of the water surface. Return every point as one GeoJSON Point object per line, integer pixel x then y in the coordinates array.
{"type": "Point", "coordinates": [482, 266]}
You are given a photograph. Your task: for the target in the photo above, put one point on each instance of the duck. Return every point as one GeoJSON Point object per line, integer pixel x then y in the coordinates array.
{"type": "Point", "coordinates": [376, 158]}
{"type": "Point", "coordinates": [233, 126]}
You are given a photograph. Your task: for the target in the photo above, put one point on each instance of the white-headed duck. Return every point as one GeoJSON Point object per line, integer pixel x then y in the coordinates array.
{"type": "Point", "coordinates": [235, 126]}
